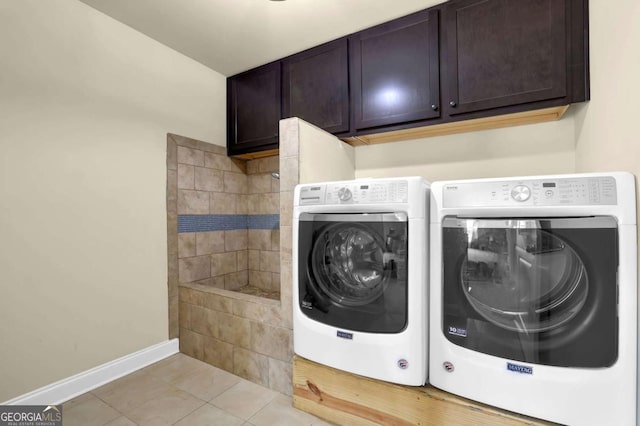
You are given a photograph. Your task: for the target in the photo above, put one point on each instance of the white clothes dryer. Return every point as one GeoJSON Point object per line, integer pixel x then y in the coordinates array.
{"type": "Point", "coordinates": [534, 295]}
{"type": "Point", "coordinates": [360, 277]}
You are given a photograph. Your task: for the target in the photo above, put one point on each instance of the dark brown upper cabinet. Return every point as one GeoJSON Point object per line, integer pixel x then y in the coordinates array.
{"type": "Point", "coordinates": [459, 66]}
{"type": "Point", "coordinates": [394, 71]}
{"type": "Point", "coordinates": [315, 86]}
{"type": "Point", "coordinates": [254, 110]}
{"type": "Point", "coordinates": [503, 53]}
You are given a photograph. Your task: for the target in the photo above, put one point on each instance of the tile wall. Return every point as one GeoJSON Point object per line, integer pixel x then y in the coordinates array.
{"type": "Point", "coordinates": [228, 221]}
{"type": "Point", "coordinates": [228, 302]}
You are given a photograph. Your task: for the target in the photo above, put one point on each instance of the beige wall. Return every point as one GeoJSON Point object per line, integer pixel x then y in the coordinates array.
{"type": "Point", "coordinates": [524, 150]}
{"type": "Point", "coordinates": [85, 105]}
{"type": "Point", "coordinates": [607, 128]}
{"type": "Point", "coordinates": [607, 136]}
{"type": "Point", "coordinates": [323, 157]}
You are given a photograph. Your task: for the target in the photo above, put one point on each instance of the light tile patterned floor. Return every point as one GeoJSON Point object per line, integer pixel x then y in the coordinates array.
{"type": "Point", "coordinates": [183, 391]}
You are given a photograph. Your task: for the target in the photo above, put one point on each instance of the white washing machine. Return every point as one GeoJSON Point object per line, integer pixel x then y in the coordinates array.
{"type": "Point", "coordinates": [360, 277]}
{"type": "Point", "coordinates": [534, 295]}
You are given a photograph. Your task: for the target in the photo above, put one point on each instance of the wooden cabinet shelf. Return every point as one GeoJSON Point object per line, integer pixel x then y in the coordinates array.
{"type": "Point", "coordinates": [460, 66]}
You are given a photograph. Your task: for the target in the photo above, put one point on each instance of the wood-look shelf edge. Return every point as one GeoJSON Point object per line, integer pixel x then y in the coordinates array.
{"type": "Point", "coordinates": [486, 123]}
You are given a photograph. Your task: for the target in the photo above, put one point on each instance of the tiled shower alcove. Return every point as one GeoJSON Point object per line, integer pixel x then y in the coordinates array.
{"type": "Point", "coordinates": [228, 222]}
{"type": "Point", "coordinates": [224, 255]}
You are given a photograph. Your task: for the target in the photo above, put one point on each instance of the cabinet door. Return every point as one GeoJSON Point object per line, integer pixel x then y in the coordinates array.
{"type": "Point", "coordinates": [503, 52]}
{"type": "Point", "coordinates": [315, 86]}
{"type": "Point", "coordinates": [253, 110]}
{"type": "Point", "coordinates": [395, 71]}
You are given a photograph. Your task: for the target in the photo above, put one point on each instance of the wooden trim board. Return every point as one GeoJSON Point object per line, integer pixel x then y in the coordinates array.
{"type": "Point", "coordinates": [259, 154]}
{"type": "Point", "coordinates": [348, 399]}
{"type": "Point", "coordinates": [495, 122]}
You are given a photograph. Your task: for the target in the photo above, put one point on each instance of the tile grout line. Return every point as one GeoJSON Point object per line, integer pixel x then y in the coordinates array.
{"type": "Point", "coordinates": [168, 369]}
{"type": "Point", "coordinates": [110, 406]}
{"type": "Point", "coordinates": [191, 412]}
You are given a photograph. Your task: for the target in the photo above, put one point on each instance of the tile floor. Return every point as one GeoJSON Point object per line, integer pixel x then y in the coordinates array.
{"type": "Point", "coordinates": [183, 391]}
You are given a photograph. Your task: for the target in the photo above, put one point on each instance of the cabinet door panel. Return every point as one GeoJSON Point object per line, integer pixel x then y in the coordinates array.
{"type": "Point", "coordinates": [254, 99]}
{"type": "Point", "coordinates": [504, 52]}
{"type": "Point", "coordinates": [395, 71]}
{"type": "Point", "coordinates": [316, 86]}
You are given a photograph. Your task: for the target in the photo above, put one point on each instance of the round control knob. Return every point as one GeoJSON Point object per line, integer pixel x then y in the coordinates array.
{"type": "Point", "coordinates": [520, 193]}
{"type": "Point", "coordinates": [344, 194]}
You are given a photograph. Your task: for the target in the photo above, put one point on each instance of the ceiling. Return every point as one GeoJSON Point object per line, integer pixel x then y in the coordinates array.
{"type": "Point", "coordinates": [230, 36]}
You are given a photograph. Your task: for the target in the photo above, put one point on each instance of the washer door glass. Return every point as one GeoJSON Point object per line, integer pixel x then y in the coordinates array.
{"type": "Point", "coordinates": [352, 270]}
{"type": "Point", "coordinates": [521, 277]}
{"type": "Point", "coordinates": [349, 264]}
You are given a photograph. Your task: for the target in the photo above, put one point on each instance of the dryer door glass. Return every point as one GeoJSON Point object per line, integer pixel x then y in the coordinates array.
{"type": "Point", "coordinates": [521, 277]}
{"type": "Point", "coordinates": [353, 270]}
{"type": "Point", "coordinates": [534, 286]}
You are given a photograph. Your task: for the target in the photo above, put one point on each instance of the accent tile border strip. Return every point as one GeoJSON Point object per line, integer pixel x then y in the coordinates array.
{"type": "Point", "coordinates": [226, 222]}
{"type": "Point", "coordinates": [263, 221]}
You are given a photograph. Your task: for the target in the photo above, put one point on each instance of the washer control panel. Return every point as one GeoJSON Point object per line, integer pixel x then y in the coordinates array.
{"type": "Point", "coordinates": [355, 192]}
{"type": "Point", "coordinates": [583, 191]}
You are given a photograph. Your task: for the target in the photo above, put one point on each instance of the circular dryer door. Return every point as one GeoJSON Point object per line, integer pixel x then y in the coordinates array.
{"type": "Point", "coordinates": [533, 290]}
{"type": "Point", "coordinates": [523, 278]}
{"type": "Point", "coordinates": [348, 264]}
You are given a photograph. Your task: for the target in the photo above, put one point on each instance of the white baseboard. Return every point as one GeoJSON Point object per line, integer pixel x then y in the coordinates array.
{"type": "Point", "coordinates": [65, 389]}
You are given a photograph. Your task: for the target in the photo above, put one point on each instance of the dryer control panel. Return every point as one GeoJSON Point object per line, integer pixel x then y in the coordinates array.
{"type": "Point", "coordinates": [355, 192]}
{"type": "Point", "coordinates": [537, 192]}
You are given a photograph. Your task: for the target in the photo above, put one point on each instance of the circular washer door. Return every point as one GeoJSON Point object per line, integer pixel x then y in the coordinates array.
{"type": "Point", "coordinates": [347, 264]}
{"type": "Point", "coordinates": [524, 280]}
